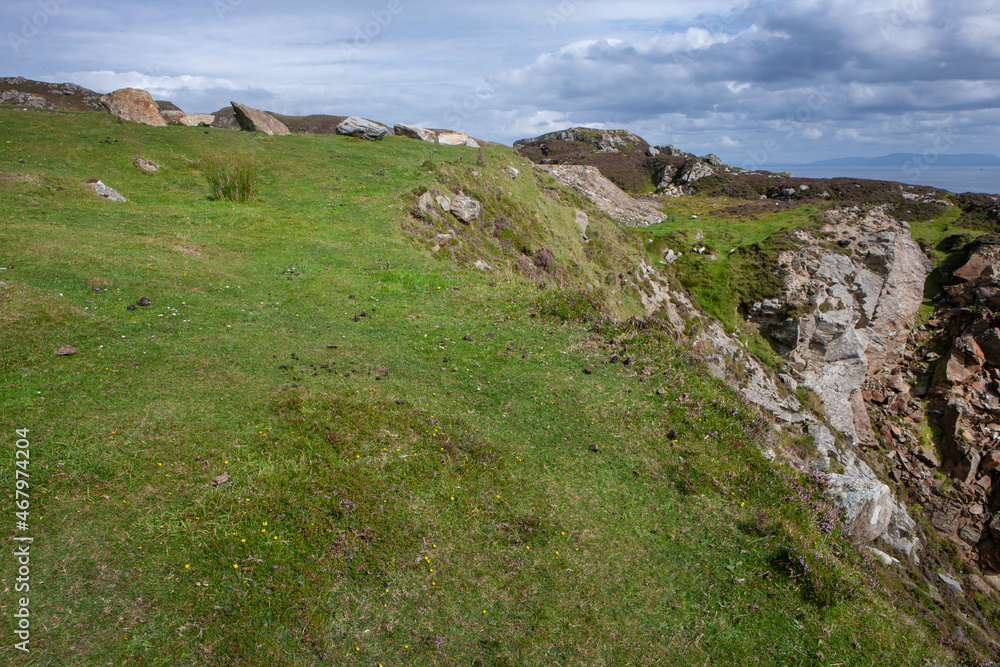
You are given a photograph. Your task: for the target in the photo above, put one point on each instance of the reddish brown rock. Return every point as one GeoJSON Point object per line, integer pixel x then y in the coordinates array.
{"type": "Point", "coordinates": [964, 360]}
{"type": "Point", "coordinates": [255, 120]}
{"type": "Point", "coordinates": [134, 105]}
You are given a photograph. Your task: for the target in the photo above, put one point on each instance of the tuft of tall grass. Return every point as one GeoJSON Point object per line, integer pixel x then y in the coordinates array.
{"type": "Point", "coordinates": [231, 177]}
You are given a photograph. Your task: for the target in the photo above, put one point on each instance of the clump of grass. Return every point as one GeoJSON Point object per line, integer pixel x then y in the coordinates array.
{"type": "Point", "coordinates": [234, 178]}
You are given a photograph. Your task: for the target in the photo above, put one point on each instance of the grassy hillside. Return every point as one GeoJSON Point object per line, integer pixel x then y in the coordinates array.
{"type": "Point", "coordinates": [426, 464]}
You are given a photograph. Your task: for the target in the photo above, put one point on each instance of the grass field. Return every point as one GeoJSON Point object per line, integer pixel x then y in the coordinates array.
{"type": "Point", "coordinates": [408, 442]}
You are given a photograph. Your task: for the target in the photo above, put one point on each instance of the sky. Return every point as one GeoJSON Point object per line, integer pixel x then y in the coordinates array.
{"type": "Point", "coordinates": [756, 82]}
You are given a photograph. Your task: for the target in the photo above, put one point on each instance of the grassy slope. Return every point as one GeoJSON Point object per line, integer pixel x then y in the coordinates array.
{"type": "Point", "coordinates": [401, 494]}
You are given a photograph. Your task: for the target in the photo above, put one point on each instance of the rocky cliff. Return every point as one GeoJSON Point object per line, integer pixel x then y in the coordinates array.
{"type": "Point", "coordinates": [936, 409]}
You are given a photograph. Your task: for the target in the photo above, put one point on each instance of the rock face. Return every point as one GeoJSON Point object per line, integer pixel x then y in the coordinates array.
{"type": "Point", "coordinates": [850, 296]}
{"type": "Point", "coordinates": [609, 197]}
{"type": "Point", "coordinates": [363, 129]}
{"type": "Point", "coordinates": [255, 120]}
{"type": "Point", "coordinates": [954, 362]}
{"type": "Point", "coordinates": [415, 132]}
{"type": "Point", "coordinates": [134, 105]}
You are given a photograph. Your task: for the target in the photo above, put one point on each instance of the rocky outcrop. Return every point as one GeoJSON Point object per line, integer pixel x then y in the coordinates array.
{"type": "Point", "coordinates": [362, 129]}
{"type": "Point", "coordinates": [255, 120]}
{"type": "Point", "coordinates": [869, 509]}
{"type": "Point", "coordinates": [17, 90]}
{"type": "Point", "coordinates": [850, 294]}
{"type": "Point", "coordinates": [22, 99]}
{"type": "Point", "coordinates": [602, 141]}
{"type": "Point", "coordinates": [134, 105]}
{"type": "Point", "coordinates": [415, 132]}
{"type": "Point", "coordinates": [606, 195]}
{"type": "Point", "coordinates": [694, 170]}
{"type": "Point", "coordinates": [950, 377]}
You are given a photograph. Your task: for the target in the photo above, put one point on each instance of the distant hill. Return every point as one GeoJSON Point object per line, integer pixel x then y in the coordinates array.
{"type": "Point", "coordinates": [902, 159]}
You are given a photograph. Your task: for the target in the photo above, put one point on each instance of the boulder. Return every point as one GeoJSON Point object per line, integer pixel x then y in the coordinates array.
{"type": "Point", "coordinates": [134, 105]}
{"type": "Point", "coordinates": [362, 129]}
{"type": "Point", "coordinates": [713, 160]}
{"type": "Point", "coordinates": [426, 203]}
{"type": "Point", "coordinates": [583, 221]}
{"type": "Point", "coordinates": [457, 139]}
{"type": "Point", "coordinates": [146, 165]}
{"type": "Point", "coordinates": [172, 116]}
{"type": "Point", "coordinates": [867, 506]}
{"type": "Point", "coordinates": [465, 208]}
{"type": "Point", "coordinates": [415, 132]}
{"type": "Point", "coordinates": [197, 119]}
{"type": "Point", "coordinates": [964, 360]}
{"type": "Point", "coordinates": [443, 202]}
{"type": "Point", "coordinates": [513, 173]}
{"type": "Point", "coordinates": [106, 192]}
{"type": "Point", "coordinates": [255, 120]}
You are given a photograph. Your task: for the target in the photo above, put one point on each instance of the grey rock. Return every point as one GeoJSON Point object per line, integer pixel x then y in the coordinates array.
{"type": "Point", "coordinates": [146, 165]}
{"type": "Point", "coordinates": [951, 582]}
{"type": "Point", "coordinates": [513, 173]}
{"type": "Point", "coordinates": [362, 129]}
{"type": "Point", "coordinates": [882, 556]}
{"type": "Point", "coordinates": [482, 266]}
{"type": "Point", "coordinates": [443, 202]}
{"type": "Point", "coordinates": [415, 132]}
{"type": "Point", "coordinates": [713, 160]}
{"type": "Point", "coordinates": [867, 506]}
{"type": "Point", "coordinates": [465, 208]}
{"type": "Point", "coordinates": [652, 151]}
{"type": "Point", "coordinates": [108, 193]}
{"type": "Point", "coordinates": [695, 170]}
{"type": "Point", "coordinates": [859, 308]}
{"type": "Point", "coordinates": [425, 202]}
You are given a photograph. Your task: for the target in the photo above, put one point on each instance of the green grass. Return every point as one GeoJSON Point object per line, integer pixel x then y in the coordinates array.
{"type": "Point", "coordinates": [231, 178]}
{"type": "Point", "coordinates": [414, 486]}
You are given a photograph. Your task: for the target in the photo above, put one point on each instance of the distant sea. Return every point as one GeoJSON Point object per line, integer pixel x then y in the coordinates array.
{"type": "Point", "coordinates": [952, 178]}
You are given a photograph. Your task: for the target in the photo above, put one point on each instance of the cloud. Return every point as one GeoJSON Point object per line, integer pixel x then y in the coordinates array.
{"type": "Point", "coordinates": [808, 76]}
